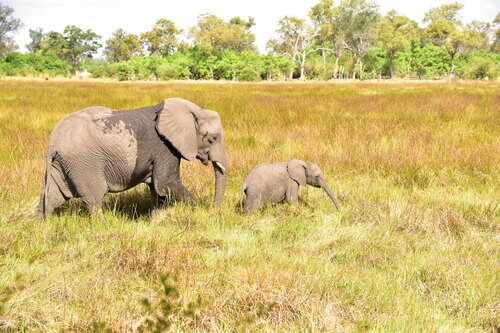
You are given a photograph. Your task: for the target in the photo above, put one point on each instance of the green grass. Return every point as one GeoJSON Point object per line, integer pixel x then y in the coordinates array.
{"type": "Point", "coordinates": [415, 246]}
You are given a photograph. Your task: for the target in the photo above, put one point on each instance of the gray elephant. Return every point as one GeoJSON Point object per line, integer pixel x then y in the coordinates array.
{"type": "Point", "coordinates": [279, 182]}
{"type": "Point", "coordinates": [98, 150]}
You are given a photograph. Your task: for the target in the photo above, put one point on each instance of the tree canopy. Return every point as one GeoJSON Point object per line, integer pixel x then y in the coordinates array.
{"type": "Point", "coordinates": [8, 25]}
{"type": "Point", "coordinates": [162, 39]}
{"type": "Point", "coordinates": [212, 34]}
{"type": "Point", "coordinates": [122, 46]}
{"type": "Point", "coordinates": [333, 40]}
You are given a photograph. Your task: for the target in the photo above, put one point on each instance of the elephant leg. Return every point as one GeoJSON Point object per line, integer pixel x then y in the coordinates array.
{"type": "Point", "coordinates": [178, 192]}
{"type": "Point", "coordinates": [155, 198]}
{"type": "Point", "coordinates": [173, 191]}
{"type": "Point", "coordinates": [93, 203]}
{"type": "Point", "coordinates": [92, 191]}
{"type": "Point", "coordinates": [54, 198]}
{"type": "Point", "coordinates": [292, 192]}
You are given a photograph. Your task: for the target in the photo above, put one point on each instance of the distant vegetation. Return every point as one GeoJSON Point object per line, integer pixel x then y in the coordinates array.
{"type": "Point", "coordinates": [351, 40]}
{"type": "Point", "coordinates": [348, 40]}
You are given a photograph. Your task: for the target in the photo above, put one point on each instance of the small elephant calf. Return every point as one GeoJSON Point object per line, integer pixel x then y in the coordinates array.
{"type": "Point", "coordinates": [280, 182]}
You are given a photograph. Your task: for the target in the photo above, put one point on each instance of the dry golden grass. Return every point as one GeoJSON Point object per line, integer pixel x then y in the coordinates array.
{"type": "Point", "coordinates": [414, 248]}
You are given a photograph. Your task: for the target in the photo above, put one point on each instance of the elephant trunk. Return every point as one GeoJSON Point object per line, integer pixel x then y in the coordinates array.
{"type": "Point", "coordinates": [219, 161]}
{"type": "Point", "coordinates": [220, 183]}
{"type": "Point", "coordinates": [330, 194]}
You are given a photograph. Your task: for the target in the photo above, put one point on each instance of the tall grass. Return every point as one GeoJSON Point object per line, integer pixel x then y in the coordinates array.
{"type": "Point", "coordinates": [415, 246]}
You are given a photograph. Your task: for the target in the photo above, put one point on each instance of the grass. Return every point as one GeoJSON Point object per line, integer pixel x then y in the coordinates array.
{"type": "Point", "coordinates": [415, 246]}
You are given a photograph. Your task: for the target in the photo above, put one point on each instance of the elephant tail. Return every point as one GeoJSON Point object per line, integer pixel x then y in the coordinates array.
{"type": "Point", "coordinates": [45, 187]}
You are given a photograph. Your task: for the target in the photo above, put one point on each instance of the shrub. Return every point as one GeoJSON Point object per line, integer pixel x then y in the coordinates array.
{"type": "Point", "coordinates": [248, 74]}
{"type": "Point", "coordinates": [479, 65]}
{"type": "Point", "coordinates": [50, 63]}
{"type": "Point", "coordinates": [123, 71]}
{"type": "Point", "coordinates": [34, 64]}
{"type": "Point", "coordinates": [431, 62]}
{"type": "Point", "coordinates": [6, 69]}
{"type": "Point", "coordinates": [168, 71]}
{"type": "Point", "coordinates": [101, 69]}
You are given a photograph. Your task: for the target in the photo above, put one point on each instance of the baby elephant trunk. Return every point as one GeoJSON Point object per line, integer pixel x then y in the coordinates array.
{"type": "Point", "coordinates": [330, 194]}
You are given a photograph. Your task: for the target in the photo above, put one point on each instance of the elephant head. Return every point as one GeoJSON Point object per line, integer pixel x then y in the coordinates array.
{"type": "Point", "coordinates": [195, 133]}
{"type": "Point", "coordinates": [304, 172]}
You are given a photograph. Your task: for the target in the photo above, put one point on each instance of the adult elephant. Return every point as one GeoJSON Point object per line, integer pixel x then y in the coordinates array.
{"type": "Point", "coordinates": [99, 150]}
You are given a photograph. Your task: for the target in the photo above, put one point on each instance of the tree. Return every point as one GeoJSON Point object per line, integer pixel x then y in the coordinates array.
{"type": "Point", "coordinates": [430, 61]}
{"type": "Point", "coordinates": [495, 47]}
{"type": "Point", "coordinates": [295, 40]}
{"type": "Point", "coordinates": [8, 25]}
{"type": "Point", "coordinates": [322, 17]}
{"type": "Point", "coordinates": [73, 45]}
{"type": "Point", "coordinates": [162, 39]}
{"type": "Point", "coordinates": [442, 29]}
{"type": "Point", "coordinates": [36, 40]}
{"type": "Point", "coordinates": [395, 33]}
{"type": "Point", "coordinates": [212, 34]}
{"type": "Point", "coordinates": [81, 44]}
{"type": "Point", "coordinates": [122, 46]}
{"type": "Point", "coordinates": [53, 42]}
{"type": "Point", "coordinates": [357, 20]}
{"type": "Point", "coordinates": [445, 29]}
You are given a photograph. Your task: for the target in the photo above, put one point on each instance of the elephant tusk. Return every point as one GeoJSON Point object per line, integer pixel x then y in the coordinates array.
{"type": "Point", "coordinates": [219, 164]}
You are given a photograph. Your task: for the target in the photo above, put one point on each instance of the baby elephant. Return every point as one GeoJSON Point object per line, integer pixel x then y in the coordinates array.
{"type": "Point", "coordinates": [280, 181]}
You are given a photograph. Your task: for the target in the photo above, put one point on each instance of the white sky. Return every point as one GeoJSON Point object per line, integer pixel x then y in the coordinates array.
{"type": "Point", "coordinates": [105, 16]}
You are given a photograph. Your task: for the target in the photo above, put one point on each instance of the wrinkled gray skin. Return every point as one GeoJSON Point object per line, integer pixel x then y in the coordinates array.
{"type": "Point", "coordinates": [279, 182]}
{"type": "Point", "coordinates": [98, 150]}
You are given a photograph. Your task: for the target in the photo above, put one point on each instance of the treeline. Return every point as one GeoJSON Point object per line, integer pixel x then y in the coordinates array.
{"type": "Point", "coordinates": [351, 40]}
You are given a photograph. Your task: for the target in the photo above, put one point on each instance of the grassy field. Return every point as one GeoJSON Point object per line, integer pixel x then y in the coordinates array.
{"type": "Point", "coordinates": [415, 247]}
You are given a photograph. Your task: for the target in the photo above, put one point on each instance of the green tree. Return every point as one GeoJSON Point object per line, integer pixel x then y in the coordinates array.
{"type": "Point", "coordinates": [36, 40]}
{"type": "Point", "coordinates": [122, 46]}
{"type": "Point", "coordinates": [80, 45]}
{"type": "Point", "coordinates": [277, 67]}
{"type": "Point", "coordinates": [479, 65]}
{"type": "Point", "coordinates": [446, 30]}
{"type": "Point", "coordinates": [295, 40]}
{"type": "Point", "coordinates": [74, 45]}
{"type": "Point", "coordinates": [322, 17]}
{"type": "Point", "coordinates": [8, 25]}
{"type": "Point", "coordinates": [357, 20]}
{"type": "Point", "coordinates": [395, 33]}
{"type": "Point", "coordinates": [162, 40]}
{"type": "Point", "coordinates": [430, 61]}
{"type": "Point", "coordinates": [211, 34]}
{"type": "Point", "coordinates": [53, 42]}
{"type": "Point", "coordinates": [495, 46]}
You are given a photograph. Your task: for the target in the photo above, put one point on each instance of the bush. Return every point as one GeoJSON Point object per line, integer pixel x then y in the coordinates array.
{"type": "Point", "coordinates": [248, 74]}
{"type": "Point", "coordinates": [101, 69]}
{"type": "Point", "coordinates": [168, 71]}
{"type": "Point", "coordinates": [375, 64]}
{"type": "Point", "coordinates": [479, 65]}
{"type": "Point", "coordinates": [50, 63]}
{"type": "Point", "coordinates": [123, 71]}
{"type": "Point", "coordinates": [431, 62]}
{"type": "Point", "coordinates": [6, 69]}
{"type": "Point", "coordinates": [33, 64]}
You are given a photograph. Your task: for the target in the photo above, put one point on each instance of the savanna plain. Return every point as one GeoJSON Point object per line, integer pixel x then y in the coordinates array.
{"type": "Point", "coordinates": [415, 246]}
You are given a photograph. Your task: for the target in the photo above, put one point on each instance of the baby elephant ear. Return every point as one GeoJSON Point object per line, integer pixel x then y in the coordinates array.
{"type": "Point", "coordinates": [297, 171]}
{"type": "Point", "coordinates": [176, 123]}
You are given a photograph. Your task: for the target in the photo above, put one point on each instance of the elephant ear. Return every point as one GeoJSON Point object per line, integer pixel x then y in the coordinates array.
{"type": "Point", "coordinates": [297, 171]}
{"type": "Point", "coordinates": [176, 123]}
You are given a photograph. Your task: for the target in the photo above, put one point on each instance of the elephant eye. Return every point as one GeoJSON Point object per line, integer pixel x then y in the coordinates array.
{"type": "Point", "coordinates": [211, 138]}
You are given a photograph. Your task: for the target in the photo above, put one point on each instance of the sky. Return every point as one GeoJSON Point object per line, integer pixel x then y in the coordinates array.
{"type": "Point", "coordinates": [105, 16]}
